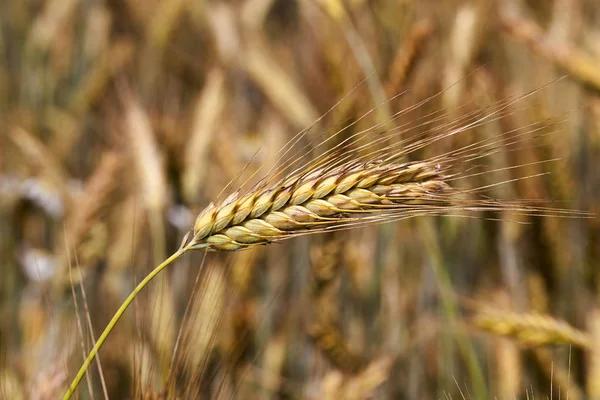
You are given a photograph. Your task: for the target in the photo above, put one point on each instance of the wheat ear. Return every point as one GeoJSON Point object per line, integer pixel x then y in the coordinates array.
{"type": "Point", "coordinates": [316, 201]}
{"type": "Point", "coordinates": [306, 203]}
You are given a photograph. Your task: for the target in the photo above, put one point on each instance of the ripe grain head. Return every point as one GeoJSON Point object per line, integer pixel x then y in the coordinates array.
{"type": "Point", "coordinates": [317, 200]}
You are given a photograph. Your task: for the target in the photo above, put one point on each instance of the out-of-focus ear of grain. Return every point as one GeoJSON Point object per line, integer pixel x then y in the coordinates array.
{"type": "Point", "coordinates": [464, 41]}
{"type": "Point", "coordinates": [207, 113]}
{"type": "Point", "coordinates": [284, 93]}
{"type": "Point", "coordinates": [47, 25]}
{"type": "Point", "coordinates": [85, 221]}
{"type": "Point", "coordinates": [242, 269]}
{"type": "Point", "coordinates": [360, 386]}
{"type": "Point", "coordinates": [128, 226]}
{"type": "Point", "coordinates": [47, 342]}
{"type": "Point", "coordinates": [201, 329]}
{"type": "Point", "coordinates": [508, 368]}
{"type": "Point", "coordinates": [273, 362]}
{"type": "Point", "coordinates": [10, 386]}
{"type": "Point", "coordinates": [530, 328]}
{"type": "Point", "coordinates": [507, 357]}
{"type": "Point", "coordinates": [147, 157]}
{"type": "Point", "coordinates": [581, 66]}
{"type": "Point", "coordinates": [33, 324]}
{"type": "Point", "coordinates": [143, 366]}
{"type": "Point", "coordinates": [93, 85]}
{"type": "Point", "coordinates": [407, 56]}
{"type": "Point", "coordinates": [49, 382]}
{"type": "Point", "coordinates": [40, 161]}
{"type": "Point", "coordinates": [160, 322]}
{"type": "Point", "coordinates": [326, 265]}
{"type": "Point", "coordinates": [164, 19]}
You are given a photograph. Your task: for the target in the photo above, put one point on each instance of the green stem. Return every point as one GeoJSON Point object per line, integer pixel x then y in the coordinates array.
{"type": "Point", "coordinates": [116, 318]}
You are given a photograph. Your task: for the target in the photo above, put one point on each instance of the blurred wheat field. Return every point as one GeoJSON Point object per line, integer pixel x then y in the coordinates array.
{"type": "Point", "coordinates": [120, 121]}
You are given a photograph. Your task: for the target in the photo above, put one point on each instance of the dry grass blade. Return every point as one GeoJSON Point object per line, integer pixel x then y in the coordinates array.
{"type": "Point", "coordinates": [531, 329]}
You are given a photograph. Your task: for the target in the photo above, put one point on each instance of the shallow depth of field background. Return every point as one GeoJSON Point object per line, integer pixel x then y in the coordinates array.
{"type": "Point", "coordinates": [121, 120]}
